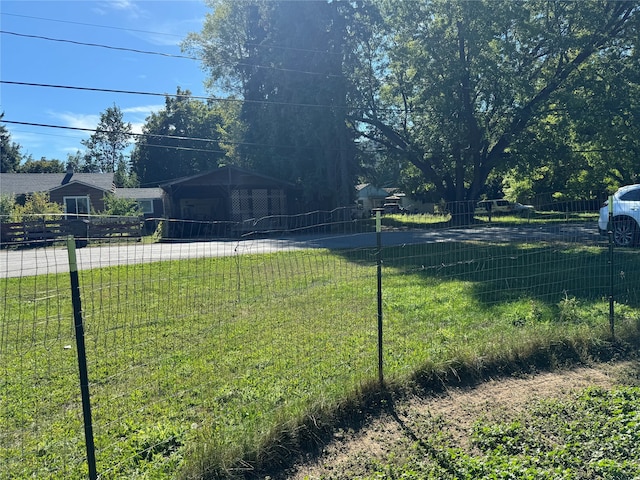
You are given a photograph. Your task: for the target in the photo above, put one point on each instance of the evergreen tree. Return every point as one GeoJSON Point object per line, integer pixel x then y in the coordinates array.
{"type": "Point", "coordinates": [10, 156]}
{"type": "Point", "coordinates": [106, 146]}
{"type": "Point", "coordinates": [287, 61]}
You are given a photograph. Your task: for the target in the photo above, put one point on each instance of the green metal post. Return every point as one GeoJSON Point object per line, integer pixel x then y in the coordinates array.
{"type": "Point", "coordinates": [82, 358]}
{"type": "Point", "coordinates": [611, 273]}
{"type": "Point", "coordinates": [379, 265]}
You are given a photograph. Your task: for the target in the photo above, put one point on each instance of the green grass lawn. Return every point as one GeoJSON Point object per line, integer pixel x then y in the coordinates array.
{"type": "Point", "coordinates": [536, 218]}
{"type": "Point", "coordinates": [214, 366]}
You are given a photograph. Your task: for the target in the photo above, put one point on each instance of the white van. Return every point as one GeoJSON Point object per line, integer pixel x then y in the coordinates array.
{"type": "Point", "coordinates": [501, 206]}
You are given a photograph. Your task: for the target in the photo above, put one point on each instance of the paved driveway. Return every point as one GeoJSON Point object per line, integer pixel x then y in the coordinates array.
{"type": "Point", "coordinates": [39, 261]}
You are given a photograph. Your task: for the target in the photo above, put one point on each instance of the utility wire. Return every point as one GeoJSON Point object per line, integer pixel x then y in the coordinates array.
{"type": "Point", "coordinates": [64, 127]}
{"type": "Point", "coordinates": [242, 64]}
{"type": "Point", "coordinates": [162, 136]}
{"type": "Point", "coordinates": [155, 94]}
{"type": "Point", "coordinates": [90, 24]}
{"type": "Point", "coordinates": [111, 90]}
{"type": "Point", "coordinates": [99, 45]}
{"type": "Point", "coordinates": [198, 139]}
{"type": "Point", "coordinates": [249, 44]}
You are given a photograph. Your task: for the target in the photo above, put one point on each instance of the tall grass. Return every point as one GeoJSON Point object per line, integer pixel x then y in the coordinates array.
{"type": "Point", "coordinates": [209, 367]}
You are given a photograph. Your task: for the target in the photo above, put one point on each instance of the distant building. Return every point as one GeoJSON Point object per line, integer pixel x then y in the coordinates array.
{"type": "Point", "coordinates": [235, 198]}
{"type": "Point", "coordinates": [369, 196]}
{"type": "Point", "coordinates": [79, 193]}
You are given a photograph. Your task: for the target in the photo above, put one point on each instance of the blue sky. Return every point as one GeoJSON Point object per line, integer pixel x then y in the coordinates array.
{"type": "Point", "coordinates": [156, 26]}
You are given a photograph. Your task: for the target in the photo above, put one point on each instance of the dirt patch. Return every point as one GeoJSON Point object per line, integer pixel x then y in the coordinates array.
{"type": "Point", "coordinates": [454, 413]}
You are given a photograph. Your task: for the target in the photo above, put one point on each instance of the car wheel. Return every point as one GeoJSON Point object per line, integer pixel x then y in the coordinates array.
{"type": "Point", "coordinates": [624, 232]}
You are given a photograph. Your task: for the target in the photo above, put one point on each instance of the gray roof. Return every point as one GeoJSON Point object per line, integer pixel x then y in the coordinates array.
{"type": "Point", "coordinates": [139, 193]}
{"type": "Point", "coordinates": [21, 183]}
{"type": "Point", "coordinates": [227, 175]}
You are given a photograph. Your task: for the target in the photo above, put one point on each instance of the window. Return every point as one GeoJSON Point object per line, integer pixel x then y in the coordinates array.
{"type": "Point", "coordinates": [76, 205]}
{"type": "Point", "coordinates": [631, 196]}
{"type": "Point", "coordinates": [146, 206]}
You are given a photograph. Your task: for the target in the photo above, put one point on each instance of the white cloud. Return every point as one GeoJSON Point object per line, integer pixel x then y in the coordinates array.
{"type": "Point", "coordinates": [122, 5]}
{"type": "Point", "coordinates": [127, 6]}
{"type": "Point", "coordinates": [146, 109]}
{"type": "Point", "coordinates": [99, 11]}
{"type": "Point", "coordinates": [73, 150]}
{"type": "Point", "coordinates": [25, 138]}
{"type": "Point", "coordinates": [137, 115]}
{"type": "Point", "coordinates": [77, 120]}
{"type": "Point", "coordinates": [171, 32]}
{"type": "Point", "coordinates": [137, 127]}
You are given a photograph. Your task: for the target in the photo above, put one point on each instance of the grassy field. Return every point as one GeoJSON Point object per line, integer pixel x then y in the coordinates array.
{"type": "Point", "coordinates": [535, 218]}
{"type": "Point", "coordinates": [220, 366]}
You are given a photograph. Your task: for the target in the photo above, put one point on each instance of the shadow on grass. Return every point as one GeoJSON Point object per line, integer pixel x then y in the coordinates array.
{"type": "Point", "coordinates": [499, 273]}
{"type": "Point", "coordinates": [494, 274]}
{"type": "Point", "coordinates": [306, 441]}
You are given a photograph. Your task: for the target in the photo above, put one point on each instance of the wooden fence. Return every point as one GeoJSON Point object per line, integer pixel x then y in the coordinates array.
{"type": "Point", "coordinates": [82, 229]}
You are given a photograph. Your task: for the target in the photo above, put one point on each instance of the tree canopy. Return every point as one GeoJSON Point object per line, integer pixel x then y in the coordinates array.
{"type": "Point", "coordinates": [41, 166]}
{"type": "Point", "coordinates": [285, 60]}
{"type": "Point", "coordinates": [106, 146]}
{"type": "Point", "coordinates": [460, 90]}
{"type": "Point", "coordinates": [182, 139]}
{"type": "Point", "coordinates": [463, 83]}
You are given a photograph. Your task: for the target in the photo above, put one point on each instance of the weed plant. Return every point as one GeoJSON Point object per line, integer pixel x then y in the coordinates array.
{"type": "Point", "coordinates": [212, 367]}
{"type": "Point", "coordinates": [590, 434]}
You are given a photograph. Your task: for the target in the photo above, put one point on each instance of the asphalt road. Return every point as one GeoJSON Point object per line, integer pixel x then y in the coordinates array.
{"type": "Point", "coordinates": [39, 261]}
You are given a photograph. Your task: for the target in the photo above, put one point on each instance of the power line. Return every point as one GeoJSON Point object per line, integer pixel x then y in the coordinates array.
{"type": "Point", "coordinates": [175, 137]}
{"type": "Point", "coordinates": [94, 130]}
{"type": "Point", "coordinates": [162, 136]}
{"type": "Point", "coordinates": [147, 52]}
{"type": "Point", "coordinates": [111, 90]}
{"type": "Point", "coordinates": [155, 94]}
{"type": "Point", "coordinates": [249, 44]}
{"type": "Point", "coordinates": [99, 45]}
{"type": "Point", "coordinates": [90, 24]}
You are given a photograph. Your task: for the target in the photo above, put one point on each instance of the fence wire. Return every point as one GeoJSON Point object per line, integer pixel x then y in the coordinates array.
{"type": "Point", "coordinates": [219, 340]}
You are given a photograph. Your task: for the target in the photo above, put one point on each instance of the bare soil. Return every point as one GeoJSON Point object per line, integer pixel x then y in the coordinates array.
{"type": "Point", "coordinates": [385, 438]}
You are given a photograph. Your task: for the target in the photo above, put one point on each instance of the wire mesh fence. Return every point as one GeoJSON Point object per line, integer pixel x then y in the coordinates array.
{"type": "Point", "coordinates": [202, 347]}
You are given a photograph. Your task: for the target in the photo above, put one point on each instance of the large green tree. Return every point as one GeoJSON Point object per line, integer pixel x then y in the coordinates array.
{"type": "Point", "coordinates": [286, 61]}
{"type": "Point", "coordinates": [459, 82]}
{"type": "Point", "coordinates": [182, 139]}
{"type": "Point", "coordinates": [587, 141]}
{"type": "Point", "coordinates": [459, 89]}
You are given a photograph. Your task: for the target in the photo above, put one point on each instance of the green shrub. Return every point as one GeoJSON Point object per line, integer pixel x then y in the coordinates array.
{"type": "Point", "coordinates": [121, 207]}
{"type": "Point", "coordinates": [37, 206]}
{"type": "Point", "coordinates": [7, 206]}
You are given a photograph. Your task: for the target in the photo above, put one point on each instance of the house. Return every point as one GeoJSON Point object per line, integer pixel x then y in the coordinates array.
{"type": "Point", "coordinates": [151, 203]}
{"type": "Point", "coordinates": [150, 200]}
{"type": "Point", "coordinates": [232, 197]}
{"type": "Point", "coordinates": [369, 196]}
{"type": "Point", "coordinates": [235, 199]}
{"type": "Point", "coordinates": [76, 192]}
{"type": "Point", "coordinates": [81, 193]}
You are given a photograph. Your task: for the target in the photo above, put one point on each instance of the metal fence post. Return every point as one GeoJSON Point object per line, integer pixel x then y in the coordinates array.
{"type": "Point", "coordinates": [82, 357]}
{"type": "Point", "coordinates": [611, 273]}
{"type": "Point", "coordinates": [379, 270]}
